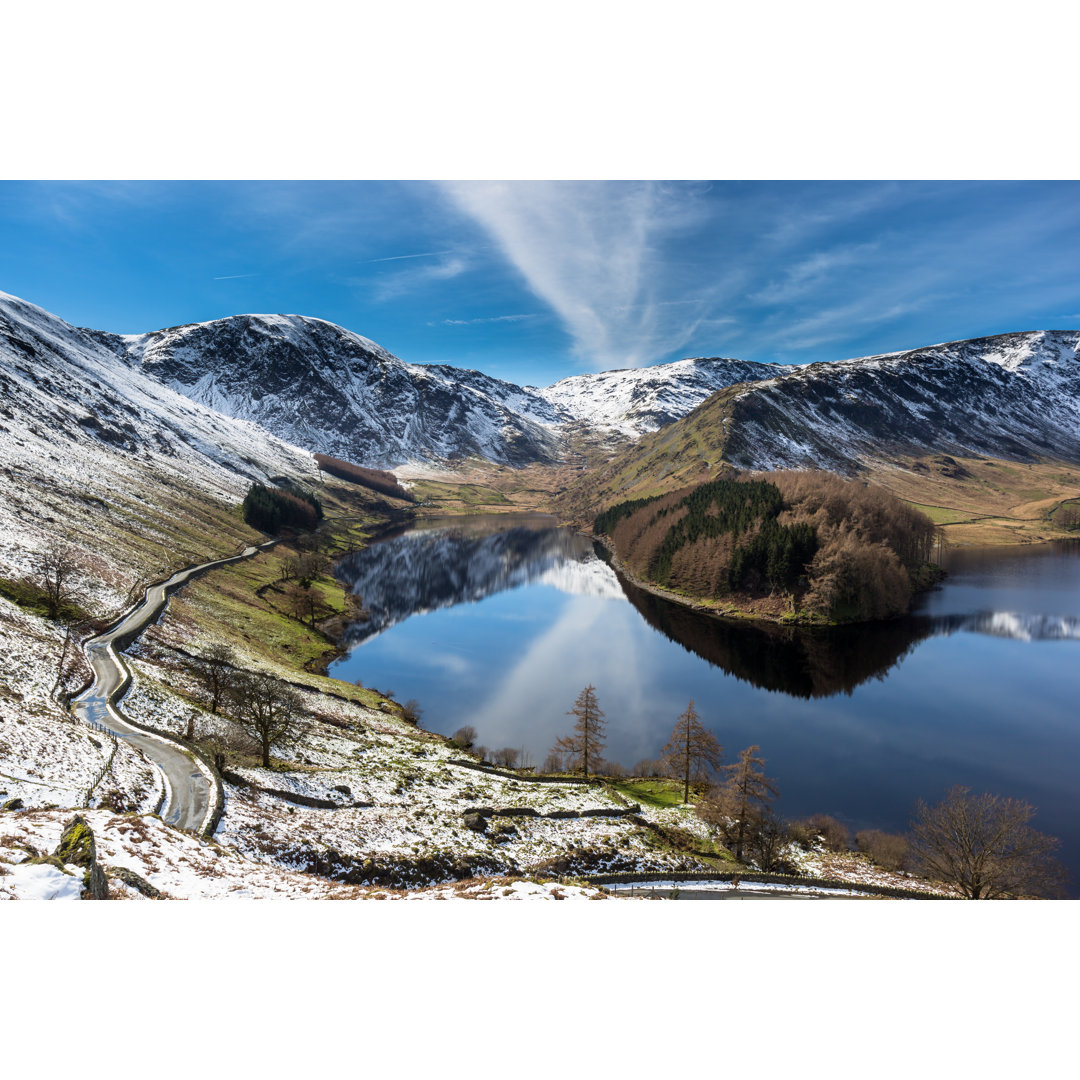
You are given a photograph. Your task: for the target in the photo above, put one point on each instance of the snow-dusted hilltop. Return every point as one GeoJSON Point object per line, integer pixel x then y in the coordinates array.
{"type": "Point", "coordinates": [92, 450]}
{"type": "Point", "coordinates": [1013, 395]}
{"type": "Point", "coordinates": [321, 387]}
{"type": "Point", "coordinates": [325, 388]}
{"type": "Point", "coordinates": [634, 401]}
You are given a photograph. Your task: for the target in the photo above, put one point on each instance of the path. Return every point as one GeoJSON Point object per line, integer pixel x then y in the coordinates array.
{"type": "Point", "coordinates": [188, 786]}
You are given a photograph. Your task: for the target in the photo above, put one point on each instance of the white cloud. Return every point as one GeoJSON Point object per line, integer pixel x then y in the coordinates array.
{"type": "Point", "coordinates": [490, 319]}
{"type": "Point", "coordinates": [418, 255]}
{"type": "Point", "coordinates": [394, 284]}
{"type": "Point", "coordinates": [812, 272]}
{"type": "Point", "coordinates": [591, 251]}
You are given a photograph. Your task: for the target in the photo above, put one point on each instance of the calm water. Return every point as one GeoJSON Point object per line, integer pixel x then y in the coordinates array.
{"type": "Point", "coordinates": [499, 622]}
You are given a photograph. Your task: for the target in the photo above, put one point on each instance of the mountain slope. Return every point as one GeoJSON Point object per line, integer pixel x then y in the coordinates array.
{"type": "Point", "coordinates": [325, 388]}
{"type": "Point", "coordinates": [128, 471]}
{"type": "Point", "coordinates": [320, 386]}
{"type": "Point", "coordinates": [635, 401]}
{"type": "Point", "coordinates": [1013, 396]}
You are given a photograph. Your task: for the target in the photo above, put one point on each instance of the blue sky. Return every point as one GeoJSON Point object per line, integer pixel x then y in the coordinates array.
{"type": "Point", "coordinates": [535, 281]}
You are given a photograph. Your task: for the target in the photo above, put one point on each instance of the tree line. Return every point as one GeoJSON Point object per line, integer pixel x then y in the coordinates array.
{"type": "Point", "coordinates": [271, 510]}
{"type": "Point", "coordinates": [840, 548]}
{"type": "Point", "coordinates": [982, 845]}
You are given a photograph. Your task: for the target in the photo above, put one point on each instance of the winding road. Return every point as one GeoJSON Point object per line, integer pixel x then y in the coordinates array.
{"type": "Point", "coordinates": [189, 787]}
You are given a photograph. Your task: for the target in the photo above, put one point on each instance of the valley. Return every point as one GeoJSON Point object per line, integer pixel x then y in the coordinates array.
{"type": "Point", "coordinates": [133, 455]}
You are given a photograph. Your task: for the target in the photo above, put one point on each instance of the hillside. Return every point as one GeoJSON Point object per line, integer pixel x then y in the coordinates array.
{"type": "Point", "coordinates": [134, 476]}
{"type": "Point", "coordinates": [791, 544]}
{"type": "Point", "coordinates": [1015, 397]}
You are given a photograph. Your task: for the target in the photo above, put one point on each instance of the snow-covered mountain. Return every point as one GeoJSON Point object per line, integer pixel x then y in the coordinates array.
{"type": "Point", "coordinates": [92, 450]}
{"type": "Point", "coordinates": [634, 401]}
{"type": "Point", "coordinates": [320, 386]}
{"type": "Point", "coordinates": [1012, 395]}
{"type": "Point", "coordinates": [325, 388]}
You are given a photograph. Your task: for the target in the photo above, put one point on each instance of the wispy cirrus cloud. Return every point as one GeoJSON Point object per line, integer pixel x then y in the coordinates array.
{"type": "Point", "coordinates": [813, 273]}
{"type": "Point", "coordinates": [489, 319]}
{"type": "Point", "coordinates": [593, 252]}
{"type": "Point", "coordinates": [417, 255]}
{"type": "Point", "coordinates": [399, 282]}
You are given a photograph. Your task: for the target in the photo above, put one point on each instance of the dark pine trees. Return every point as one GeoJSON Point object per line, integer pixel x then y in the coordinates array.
{"type": "Point", "coordinates": [271, 510]}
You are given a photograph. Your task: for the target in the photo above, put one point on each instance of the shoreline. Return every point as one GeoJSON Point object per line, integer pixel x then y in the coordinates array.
{"type": "Point", "coordinates": [734, 613]}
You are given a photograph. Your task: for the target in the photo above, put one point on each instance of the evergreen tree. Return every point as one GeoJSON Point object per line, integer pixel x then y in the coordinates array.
{"type": "Point", "coordinates": [585, 744]}
{"type": "Point", "coordinates": [691, 748]}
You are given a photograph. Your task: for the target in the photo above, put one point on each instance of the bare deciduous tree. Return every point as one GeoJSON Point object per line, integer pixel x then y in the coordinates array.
{"type": "Point", "coordinates": [887, 850]}
{"type": "Point", "coordinates": [766, 842]}
{"type": "Point", "coordinates": [268, 710]}
{"type": "Point", "coordinates": [464, 737]}
{"type": "Point", "coordinates": [741, 800]}
{"type": "Point", "coordinates": [57, 570]}
{"type": "Point", "coordinates": [584, 746]}
{"type": "Point", "coordinates": [306, 605]}
{"type": "Point", "coordinates": [507, 757]}
{"type": "Point", "coordinates": [692, 749]}
{"type": "Point", "coordinates": [214, 669]}
{"type": "Point", "coordinates": [553, 763]}
{"type": "Point", "coordinates": [412, 710]}
{"type": "Point", "coordinates": [984, 846]}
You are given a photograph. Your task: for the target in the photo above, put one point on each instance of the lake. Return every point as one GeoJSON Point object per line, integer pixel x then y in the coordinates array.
{"type": "Point", "coordinates": [500, 621]}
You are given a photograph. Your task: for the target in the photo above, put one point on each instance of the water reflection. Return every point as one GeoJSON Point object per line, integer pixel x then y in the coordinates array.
{"type": "Point", "coordinates": [451, 561]}
{"type": "Point", "coordinates": [454, 561]}
{"type": "Point", "coordinates": [511, 618]}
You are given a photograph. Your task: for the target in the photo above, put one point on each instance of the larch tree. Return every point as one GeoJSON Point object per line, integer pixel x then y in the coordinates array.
{"type": "Point", "coordinates": [691, 749]}
{"type": "Point", "coordinates": [741, 800]}
{"type": "Point", "coordinates": [585, 744]}
{"type": "Point", "coordinates": [984, 846]}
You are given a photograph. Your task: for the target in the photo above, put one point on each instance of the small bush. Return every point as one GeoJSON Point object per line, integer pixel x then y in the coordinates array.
{"type": "Point", "coordinates": [835, 835]}
{"type": "Point", "coordinates": [464, 737]}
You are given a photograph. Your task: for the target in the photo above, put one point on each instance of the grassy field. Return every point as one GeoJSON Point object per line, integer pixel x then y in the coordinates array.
{"type": "Point", "coordinates": [985, 500]}
{"type": "Point", "coordinates": [658, 793]}
{"type": "Point", "coordinates": [246, 604]}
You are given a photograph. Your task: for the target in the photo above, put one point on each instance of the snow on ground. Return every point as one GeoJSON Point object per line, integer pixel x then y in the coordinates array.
{"type": "Point", "coordinates": [42, 881]}
{"type": "Point", "coordinates": [855, 867]}
{"type": "Point", "coordinates": [508, 889]}
{"type": "Point", "coordinates": [400, 800]}
{"type": "Point", "coordinates": [47, 757]}
{"type": "Point", "coordinates": [182, 866]}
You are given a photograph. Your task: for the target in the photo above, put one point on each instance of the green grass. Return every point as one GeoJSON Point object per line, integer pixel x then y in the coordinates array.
{"type": "Point", "coordinates": [469, 494]}
{"type": "Point", "coordinates": [33, 598]}
{"type": "Point", "coordinates": [659, 793]}
{"type": "Point", "coordinates": [943, 515]}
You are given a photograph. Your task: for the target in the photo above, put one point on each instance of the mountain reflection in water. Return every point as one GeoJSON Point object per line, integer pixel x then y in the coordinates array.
{"type": "Point", "coordinates": [455, 561]}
